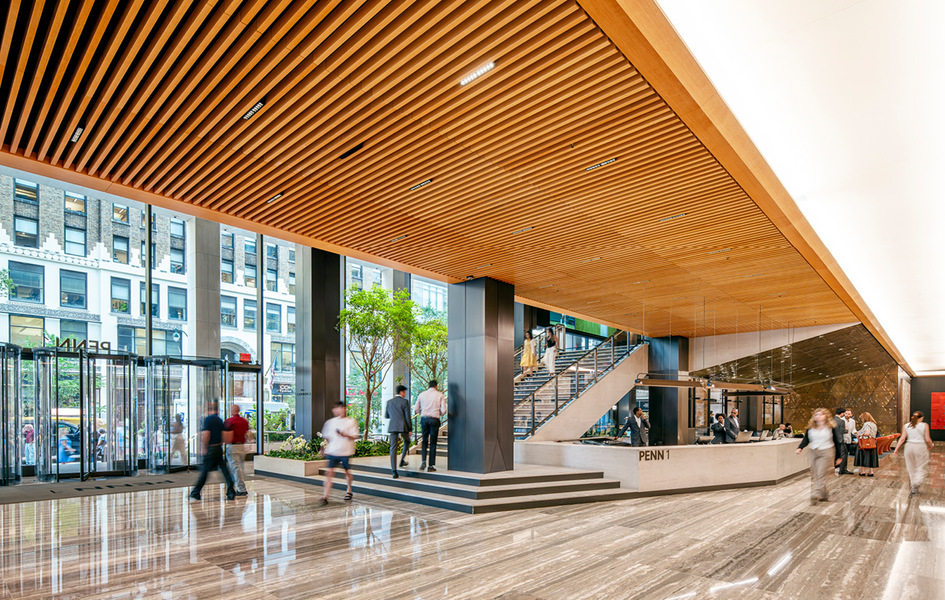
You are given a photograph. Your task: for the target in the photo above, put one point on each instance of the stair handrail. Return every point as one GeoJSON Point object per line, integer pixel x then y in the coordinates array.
{"type": "Point", "coordinates": [578, 389]}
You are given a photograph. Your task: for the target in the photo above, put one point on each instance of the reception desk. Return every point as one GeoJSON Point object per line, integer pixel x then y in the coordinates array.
{"type": "Point", "coordinates": [667, 469]}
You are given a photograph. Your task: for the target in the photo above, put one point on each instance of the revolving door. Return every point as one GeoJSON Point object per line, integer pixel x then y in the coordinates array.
{"type": "Point", "coordinates": [179, 391]}
{"type": "Point", "coordinates": [242, 389]}
{"type": "Point", "coordinates": [86, 414]}
{"type": "Point", "coordinates": [11, 417]}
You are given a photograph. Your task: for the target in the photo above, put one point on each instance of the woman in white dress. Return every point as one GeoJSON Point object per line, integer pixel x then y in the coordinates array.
{"type": "Point", "coordinates": [918, 443]}
{"type": "Point", "coordinates": [551, 350]}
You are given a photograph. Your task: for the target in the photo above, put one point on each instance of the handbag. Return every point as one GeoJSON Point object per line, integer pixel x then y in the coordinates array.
{"type": "Point", "coordinates": [867, 443]}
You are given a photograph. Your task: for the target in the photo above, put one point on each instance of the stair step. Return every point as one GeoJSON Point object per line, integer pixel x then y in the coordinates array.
{"type": "Point", "coordinates": [458, 477]}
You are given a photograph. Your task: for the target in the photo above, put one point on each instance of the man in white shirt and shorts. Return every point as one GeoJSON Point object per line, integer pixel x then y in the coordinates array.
{"type": "Point", "coordinates": [340, 433]}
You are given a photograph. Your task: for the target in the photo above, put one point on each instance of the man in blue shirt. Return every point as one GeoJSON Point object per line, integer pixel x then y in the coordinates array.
{"type": "Point", "coordinates": [211, 438]}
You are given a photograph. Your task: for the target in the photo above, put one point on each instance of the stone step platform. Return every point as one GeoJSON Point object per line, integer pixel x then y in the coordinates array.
{"type": "Point", "coordinates": [528, 486]}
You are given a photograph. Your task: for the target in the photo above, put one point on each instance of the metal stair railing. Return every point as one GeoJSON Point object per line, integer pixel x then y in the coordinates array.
{"type": "Point", "coordinates": [571, 382]}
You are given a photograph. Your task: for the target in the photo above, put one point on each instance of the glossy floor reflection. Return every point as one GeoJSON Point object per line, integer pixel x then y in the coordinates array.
{"type": "Point", "coordinates": [872, 540]}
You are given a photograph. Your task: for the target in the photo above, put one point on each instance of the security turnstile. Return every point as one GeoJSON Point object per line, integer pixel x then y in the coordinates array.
{"type": "Point", "coordinates": [14, 436]}
{"type": "Point", "coordinates": [179, 390]}
{"type": "Point", "coordinates": [85, 414]}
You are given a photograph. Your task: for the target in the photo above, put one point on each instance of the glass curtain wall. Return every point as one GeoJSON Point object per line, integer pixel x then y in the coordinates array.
{"type": "Point", "coordinates": [431, 298]}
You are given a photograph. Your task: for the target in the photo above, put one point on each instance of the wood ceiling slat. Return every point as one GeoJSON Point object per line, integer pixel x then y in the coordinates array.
{"type": "Point", "coordinates": [36, 11]}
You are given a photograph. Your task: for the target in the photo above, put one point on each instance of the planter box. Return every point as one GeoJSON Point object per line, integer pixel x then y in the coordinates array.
{"type": "Point", "coordinates": [287, 466]}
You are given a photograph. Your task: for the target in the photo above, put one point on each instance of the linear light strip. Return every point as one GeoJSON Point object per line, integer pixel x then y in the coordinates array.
{"type": "Point", "coordinates": [606, 162]}
{"type": "Point", "coordinates": [477, 73]}
{"type": "Point", "coordinates": [421, 184]}
{"type": "Point", "coordinates": [255, 109]}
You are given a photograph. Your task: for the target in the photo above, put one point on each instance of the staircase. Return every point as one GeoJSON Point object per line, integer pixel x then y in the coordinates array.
{"type": "Point", "coordinates": [540, 398]}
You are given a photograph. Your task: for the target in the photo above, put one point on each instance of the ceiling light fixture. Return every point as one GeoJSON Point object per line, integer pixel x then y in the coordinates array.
{"type": "Point", "coordinates": [590, 260]}
{"type": "Point", "coordinates": [679, 216]}
{"type": "Point", "coordinates": [255, 109]}
{"type": "Point", "coordinates": [477, 73]}
{"type": "Point", "coordinates": [755, 275]}
{"type": "Point", "coordinates": [77, 134]}
{"type": "Point", "coordinates": [397, 239]}
{"type": "Point", "coordinates": [720, 251]}
{"type": "Point", "coordinates": [484, 266]}
{"type": "Point", "coordinates": [421, 184]}
{"type": "Point", "coordinates": [522, 230]}
{"type": "Point", "coordinates": [601, 164]}
{"type": "Point", "coordinates": [546, 286]}
{"type": "Point", "coordinates": [680, 298]}
{"type": "Point", "coordinates": [593, 301]}
{"type": "Point", "coordinates": [274, 198]}
{"type": "Point", "coordinates": [641, 281]}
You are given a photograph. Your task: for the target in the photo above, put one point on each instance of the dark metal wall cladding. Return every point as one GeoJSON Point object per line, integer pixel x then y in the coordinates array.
{"type": "Point", "coordinates": [160, 89]}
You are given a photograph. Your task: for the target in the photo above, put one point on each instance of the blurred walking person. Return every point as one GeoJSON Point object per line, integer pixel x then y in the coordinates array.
{"type": "Point", "coordinates": [866, 456]}
{"type": "Point", "coordinates": [918, 444]}
{"type": "Point", "coordinates": [551, 350]}
{"type": "Point", "coordinates": [398, 411]}
{"type": "Point", "coordinates": [234, 434]}
{"type": "Point", "coordinates": [824, 438]}
{"type": "Point", "coordinates": [340, 433]}
{"type": "Point", "coordinates": [431, 405]}
{"type": "Point", "coordinates": [211, 441]}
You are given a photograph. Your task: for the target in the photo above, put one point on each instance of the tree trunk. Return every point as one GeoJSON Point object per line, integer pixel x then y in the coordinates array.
{"type": "Point", "coordinates": [367, 411]}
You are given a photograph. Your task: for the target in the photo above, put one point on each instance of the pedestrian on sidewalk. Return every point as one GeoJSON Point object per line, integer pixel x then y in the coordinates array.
{"type": "Point", "coordinates": [431, 405]}
{"type": "Point", "coordinates": [918, 445]}
{"type": "Point", "coordinates": [398, 411]}
{"type": "Point", "coordinates": [339, 432]}
{"type": "Point", "coordinates": [211, 441]}
{"type": "Point", "coordinates": [234, 434]}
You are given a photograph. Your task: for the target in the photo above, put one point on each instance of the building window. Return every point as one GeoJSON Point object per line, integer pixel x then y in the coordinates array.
{"type": "Point", "coordinates": [153, 255]}
{"type": "Point", "coordinates": [226, 271]}
{"type": "Point", "coordinates": [75, 203]}
{"type": "Point", "coordinates": [120, 250]}
{"type": "Point", "coordinates": [177, 228]}
{"type": "Point", "coordinates": [292, 283]}
{"type": "Point", "coordinates": [27, 232]}
{"type": "Point", "coordinates": [121, 295]}
{"type": "Point", "coordinates": [249, 315]}
{"type": "Point", "coordinates": [291, 255]}
{"type": "Point", "coordinates": [77, 330]}
{"type": "Point", "coordinates": [249, 278]}
{"type": "Point", "coordinates": [27, 331]}
{"type": "Point", "coordinates": [228, 311]}
{"type": "Point", "coordinates": [227, 241]}
{"type": "Point", "coordinates": [283, 356]}
{"type": "Point", "coordinates": [73, 289]}
{"type": "Point", "coordinates": [119, 213]}
{"type": "Point", "coordinates": [155, 300]}
{"type": "Point", "coordinates": [27, 282]}
{"type": "Point", "coordinates": [75, 241]}
{"type": "Point", "coordinates": [177, 261]}
{"type": "Point", "coordinates": [176, 304]}
{"type": "Point", "coordinates": [290, 319]}
{"type": "Point", "coordinates": [273, 317]}
{"type": "Point", "coordinates": [26, 191]}
{"type": "Point", "coordinates": [249, 246]}
{"type": "Point", "coordinates": [356, 275]}
{"type": "Point", "coordinates": [166, 343]}
{"type": "Point", "coordinates": [272, 251]}
{"type": "Point", "coordinates": [272, 280]}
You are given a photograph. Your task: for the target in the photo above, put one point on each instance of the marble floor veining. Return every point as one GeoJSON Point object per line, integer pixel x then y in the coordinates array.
{"type": "Point", "coordinates": [871, 540]}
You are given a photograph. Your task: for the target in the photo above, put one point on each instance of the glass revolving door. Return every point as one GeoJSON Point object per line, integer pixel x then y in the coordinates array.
{"type": "Point", "coordinates": [242, 389]}
{"type": "Point", "coordinates": [14, 436]}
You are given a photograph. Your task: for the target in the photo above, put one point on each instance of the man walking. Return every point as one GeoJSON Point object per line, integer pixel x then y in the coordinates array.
{"type": "Point", "coordinates": [846, 436]}
{"type": "Point", "coordinates": [850, 426]}
{"type": "Point", "coordinates": [431, 405]}
{"type": "Point", "coordinates": [234, 434]}
{"type": "Point", "coordinates": [398, 411]}
{"type": "Point", "coordinates": [639, 428]}
{"type": "Point", "coordinates": [211, 440]}
{"type": "Point", "coordinates": [732, 427]}
{"type": "Point", "coordinates": [339, 432]}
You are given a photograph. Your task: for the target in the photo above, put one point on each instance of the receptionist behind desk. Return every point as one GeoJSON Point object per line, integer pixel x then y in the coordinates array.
{"type": "Point", "coordinates": [718, 429]}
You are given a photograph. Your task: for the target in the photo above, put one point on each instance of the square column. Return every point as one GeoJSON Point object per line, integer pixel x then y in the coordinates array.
{"type": "Point", "coordinates": [481, 333]}
{"type": "Point", "coordinates": [669, 407]}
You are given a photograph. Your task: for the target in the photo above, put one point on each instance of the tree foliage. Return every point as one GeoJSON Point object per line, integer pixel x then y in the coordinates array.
{"type": "Point", "coordinates": [379, 327]}
{"type": "Point", "coordinates": [429, 357]}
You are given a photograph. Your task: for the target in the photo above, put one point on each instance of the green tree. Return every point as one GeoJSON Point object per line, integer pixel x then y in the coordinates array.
{"type": "Point", "coordinates": [379, 326]}
{"type": "Point", "coordinates": [428, 356]}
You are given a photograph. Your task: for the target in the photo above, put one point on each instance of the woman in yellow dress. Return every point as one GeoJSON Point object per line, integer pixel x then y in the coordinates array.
{"type": "Point", "coordinates": [529, 355]}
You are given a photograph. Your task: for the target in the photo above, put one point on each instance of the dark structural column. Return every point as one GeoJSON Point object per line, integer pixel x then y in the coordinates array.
{"type": "Point", "coordinates": [318, 341]}
{"type": "Point", "coordinates": [481, 332]}
{"type": "Point", "coordinates": [669, 407]}
{"type": "Point", "coordinates": [526, 318]}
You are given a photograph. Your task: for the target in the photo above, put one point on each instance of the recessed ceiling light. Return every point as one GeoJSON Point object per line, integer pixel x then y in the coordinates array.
{"type": "Point", "coordinates": [522, 230]}
{"type": "Point", "coordinates": [546, 286]}
{"type": "Point", "coordinates": [590, 260]}
{"type": "Point", "coordinates": [641, 281]}
{"type": "Point", "coordinates": [679, 216]}
{"type": "Point", "coordinates": [593, 301]}
{"type": "Point", "coordinates": [255, 109]}
{"type": "Point", "coordinates": [601, 164]}
{"type": "Point", "coordinates": [274, 198]}
{"type": "Point", "coordinates": [484, 266]}
{"type": "Point", "coordinates": [720, 251]}
{"type": "Point", "coordinates": [755, 275]}
{"type": "Point", "coordinates": [477, 73]}
{"type": "Point", "coordinates": [680, 298]}
{"type": "Point", "coordinates": [421, 184]}
{"type": "Point", "coordinates": [77, 134]}
{"type": "Point", "coordinates": [397, 239]}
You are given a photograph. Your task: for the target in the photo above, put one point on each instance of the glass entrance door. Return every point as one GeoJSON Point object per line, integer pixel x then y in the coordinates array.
{"type": "Point", "coordinates": [111, 416]}
{"type": "Point", "coordinates": [14, 436]}
{"type": "Point", "coordinates": [242, 389]}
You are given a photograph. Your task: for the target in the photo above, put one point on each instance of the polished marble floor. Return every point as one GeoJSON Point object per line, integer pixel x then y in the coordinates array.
{"type": "Point", "coordinates": [871, 540]}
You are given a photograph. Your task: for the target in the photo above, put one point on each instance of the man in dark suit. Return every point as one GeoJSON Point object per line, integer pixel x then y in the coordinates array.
{"type": "Point", "coordinates": [732, 427]}
{"type": "Point", "coordinates": [718, 429]}
{"type": "Point", "coordinates": [842, 427]}
{"type": "Point", "coordinates": [638, 428]}
{"type": "Point", "coordinates": [398, 411]}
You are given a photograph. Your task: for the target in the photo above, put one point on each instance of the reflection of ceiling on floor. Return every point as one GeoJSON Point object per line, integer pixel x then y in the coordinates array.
{"type": "Point", "coordinates": [827, 356]}
{"type": "Point", "coordinates": [345, 126]}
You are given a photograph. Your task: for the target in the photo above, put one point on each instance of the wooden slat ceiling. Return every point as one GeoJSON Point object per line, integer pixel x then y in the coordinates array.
{"type": "Point", "coordinates": [661, 240]}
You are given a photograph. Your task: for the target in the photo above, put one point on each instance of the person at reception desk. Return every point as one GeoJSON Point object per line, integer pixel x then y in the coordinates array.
{"type": "Point", "coordinates": [846, 436]}
{"type": "Point", "coordinates": [718, 429]}
{"type": "Point", "coordinates": [732, 427]}
{"type": "Point", "coordinates": [639, 428]}
{"type": "Point", "coordinates": [824, 438]}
